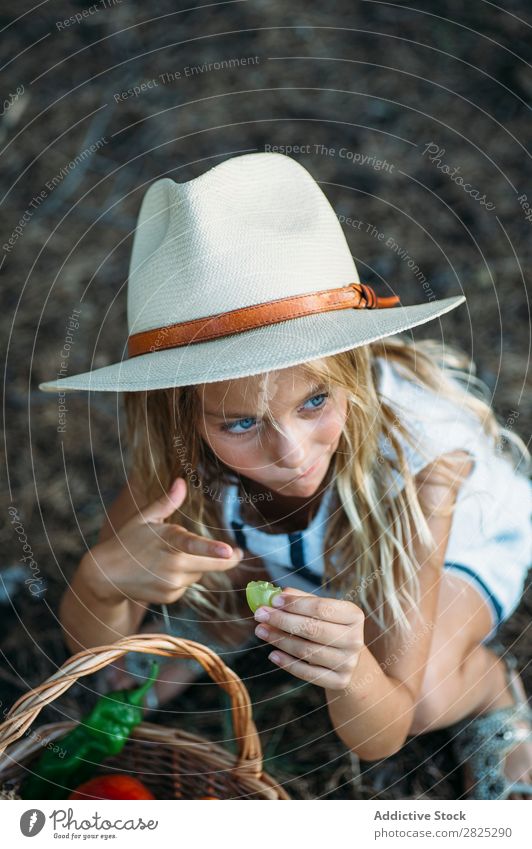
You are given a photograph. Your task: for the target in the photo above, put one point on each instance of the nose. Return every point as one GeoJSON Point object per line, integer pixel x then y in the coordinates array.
{"type": "Point", "coordinates": [286, 449]}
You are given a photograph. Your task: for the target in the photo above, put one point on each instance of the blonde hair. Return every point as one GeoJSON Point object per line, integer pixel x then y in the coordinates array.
{"type": "Point", "coordinates": [371, 529]}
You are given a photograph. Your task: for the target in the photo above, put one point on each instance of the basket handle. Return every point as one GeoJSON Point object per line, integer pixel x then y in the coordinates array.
{"type": "Point", "coordinates": [27, 707]}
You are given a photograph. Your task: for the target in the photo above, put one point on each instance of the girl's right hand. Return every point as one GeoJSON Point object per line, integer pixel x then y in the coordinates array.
{"type": "Point", "coordinates": [152, 561]}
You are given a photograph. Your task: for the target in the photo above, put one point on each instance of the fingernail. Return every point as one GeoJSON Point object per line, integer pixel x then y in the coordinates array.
{"type": "Point", "coordinates": [262, 615]}
{"type": "Point", "coordinates": [261, 631]}
{"type": "Point", "coordinates": [274, 656]}
{"type": "Point", "coordinates": [278, 600]}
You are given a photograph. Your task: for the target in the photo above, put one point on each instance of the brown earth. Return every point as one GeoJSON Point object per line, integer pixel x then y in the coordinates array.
{"type": "Point", "coordinates": [369, 79]}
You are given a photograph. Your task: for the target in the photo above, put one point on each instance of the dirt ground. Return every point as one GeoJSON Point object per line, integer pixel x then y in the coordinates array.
{"type": "Point", "coordinates": [389, 105]}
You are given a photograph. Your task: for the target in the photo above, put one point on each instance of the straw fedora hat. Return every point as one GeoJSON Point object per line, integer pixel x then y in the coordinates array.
{"type": "Point", "coordinates": [239, 271]}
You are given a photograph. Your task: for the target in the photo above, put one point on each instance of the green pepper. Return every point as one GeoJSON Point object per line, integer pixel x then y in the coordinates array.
{"type": "Point", "coordinates": [76, 756]}
{"type": "Point", "coordinates": [261, 592]}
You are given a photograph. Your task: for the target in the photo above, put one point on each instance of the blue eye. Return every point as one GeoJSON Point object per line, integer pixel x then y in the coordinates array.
{"type": "Point", "coordinates": [229, 428]}
{"type": "Point", "coordinates": [322, 395]}
{"type": "Point", "coordinates": [239, 422]}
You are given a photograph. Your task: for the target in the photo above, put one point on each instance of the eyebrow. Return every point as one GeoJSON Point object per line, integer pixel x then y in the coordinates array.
{"type": "Point", "coordinates": [215, 415]}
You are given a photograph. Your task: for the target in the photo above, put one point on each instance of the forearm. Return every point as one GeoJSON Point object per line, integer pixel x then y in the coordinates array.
{"type": "Point", "coordinates": [90, 618]}
{"type": "Point", "coordinates": [374, 714]}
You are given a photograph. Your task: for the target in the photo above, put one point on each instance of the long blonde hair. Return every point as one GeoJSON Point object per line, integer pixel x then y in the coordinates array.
{"type": "Point", "coordinates": [371, 528]}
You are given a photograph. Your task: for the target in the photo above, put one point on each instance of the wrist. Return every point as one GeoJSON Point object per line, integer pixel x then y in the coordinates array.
{"type": "Point", "coordinates": [373, 714]}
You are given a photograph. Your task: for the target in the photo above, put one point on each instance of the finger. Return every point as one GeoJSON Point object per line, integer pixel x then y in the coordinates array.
{"type": "Point", "coordinates": [306, 671]}
{"type": "Point", "coordinates": [178, 582]}
{"type": "Point", "coordinates": [203, 564]}
{"type": "Point", "coordinates": [162, 507]}
{"type": "Point", "coordinates": [171, 586]}
{"type": "Point", "coordinates": [326, 633]}
{"type": "Point", "coordinates": [178, 539]}
{"type": "Point", "coordinates": [330, 610]}
{"type": "Point", "coordinates": [313, 653]}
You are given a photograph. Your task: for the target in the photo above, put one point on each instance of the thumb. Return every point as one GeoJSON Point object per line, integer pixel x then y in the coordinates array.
{"type": "Point", "coordinates": [162, 507]}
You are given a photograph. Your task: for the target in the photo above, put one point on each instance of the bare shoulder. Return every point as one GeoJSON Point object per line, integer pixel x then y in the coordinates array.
{"type": "Point", "coordinates": [438, 483]}
{"type": "Point", "coordinates": [129, 501]}
{"type": "Point", "coordinates": [437, 487]}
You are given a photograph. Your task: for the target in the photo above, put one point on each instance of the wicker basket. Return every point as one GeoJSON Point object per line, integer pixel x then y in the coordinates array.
{"type": "Point", "coordinates": [174, 764]}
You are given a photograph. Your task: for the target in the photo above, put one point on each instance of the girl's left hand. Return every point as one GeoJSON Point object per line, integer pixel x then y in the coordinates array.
{"type": "Point", "coordinates": [317, 639]}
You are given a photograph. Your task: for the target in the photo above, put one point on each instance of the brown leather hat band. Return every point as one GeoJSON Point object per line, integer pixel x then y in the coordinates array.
{"type": "Point", "coordinates": [355, 295]}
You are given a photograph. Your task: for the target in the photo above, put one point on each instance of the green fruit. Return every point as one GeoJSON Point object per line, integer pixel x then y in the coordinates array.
{"type": "Point", "coordinates": [261, 592]}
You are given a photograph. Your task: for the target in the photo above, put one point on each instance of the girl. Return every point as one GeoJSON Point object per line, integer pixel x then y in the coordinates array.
{"type": "Point", "coordinates": [275, 406]}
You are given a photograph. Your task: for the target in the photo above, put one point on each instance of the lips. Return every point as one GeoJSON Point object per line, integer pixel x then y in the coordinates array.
{"type": "Point", "coordinates": [309, 470]}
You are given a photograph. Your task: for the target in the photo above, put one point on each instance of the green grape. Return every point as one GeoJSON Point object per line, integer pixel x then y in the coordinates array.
{"type": "Point", "coordinates": [261, 592]}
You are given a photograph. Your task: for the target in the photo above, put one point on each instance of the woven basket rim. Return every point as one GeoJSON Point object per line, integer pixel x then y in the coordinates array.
{"type": "Point", "coordinates": [246, 765]}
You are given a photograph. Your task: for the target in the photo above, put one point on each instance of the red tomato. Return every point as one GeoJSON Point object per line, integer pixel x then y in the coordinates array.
{"type": "Point", "coordinates": [112, 787]}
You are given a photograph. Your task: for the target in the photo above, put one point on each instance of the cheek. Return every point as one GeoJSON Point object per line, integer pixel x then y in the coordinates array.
{"type": "Point", "coordinates": [230, 451]}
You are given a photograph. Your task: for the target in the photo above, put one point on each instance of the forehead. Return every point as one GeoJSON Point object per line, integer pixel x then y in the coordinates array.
{"type": "Point", "coordinates": [255, 393]}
